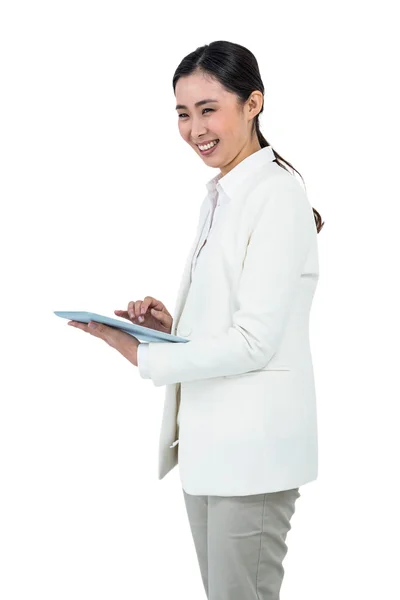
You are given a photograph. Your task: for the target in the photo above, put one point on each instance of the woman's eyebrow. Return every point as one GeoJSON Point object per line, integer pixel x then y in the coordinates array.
{"type": "Point", "coordinates": [199, 103]}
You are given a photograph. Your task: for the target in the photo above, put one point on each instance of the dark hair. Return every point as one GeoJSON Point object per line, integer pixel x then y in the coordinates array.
{"type": "Point", "coordinates": [236, 68]}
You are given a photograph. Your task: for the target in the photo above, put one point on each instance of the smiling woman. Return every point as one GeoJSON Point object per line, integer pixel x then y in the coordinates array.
{"type": "Point", "coordinates": [236, 96]}
{"type": "Point", "coordinates": [241, 399]}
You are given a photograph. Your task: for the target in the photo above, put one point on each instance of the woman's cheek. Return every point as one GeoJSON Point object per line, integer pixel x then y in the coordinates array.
{"type": "Point", "coordinates": [184, 132]}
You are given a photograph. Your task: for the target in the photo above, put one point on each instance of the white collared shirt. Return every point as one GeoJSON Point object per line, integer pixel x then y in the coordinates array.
{"type": "Point", "coordinates": [218, 193]}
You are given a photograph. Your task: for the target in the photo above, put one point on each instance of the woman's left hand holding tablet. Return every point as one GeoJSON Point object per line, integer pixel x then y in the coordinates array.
{"type": "Point", "coordinates": [125, 343]}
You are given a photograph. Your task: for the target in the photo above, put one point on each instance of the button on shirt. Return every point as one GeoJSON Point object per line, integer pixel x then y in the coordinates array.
{"type": "Point", "coordinates": [216, 196]}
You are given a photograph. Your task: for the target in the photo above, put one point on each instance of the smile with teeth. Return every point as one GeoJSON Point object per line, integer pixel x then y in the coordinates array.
{"type": "Point", "coordinates": [208, 146]}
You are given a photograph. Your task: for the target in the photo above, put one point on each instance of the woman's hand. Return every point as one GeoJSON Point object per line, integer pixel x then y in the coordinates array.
{"type": "Point", "coordinates": [149, 312]}
{"type": "Point", "coordinates": [125, 343]}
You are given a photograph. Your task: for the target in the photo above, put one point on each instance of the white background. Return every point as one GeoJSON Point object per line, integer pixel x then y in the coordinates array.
{"type": "Point", "coordinates": [99, 204]}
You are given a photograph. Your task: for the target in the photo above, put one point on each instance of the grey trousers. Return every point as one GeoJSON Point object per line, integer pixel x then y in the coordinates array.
{"type": "Point", "coordinates": [240, 542]}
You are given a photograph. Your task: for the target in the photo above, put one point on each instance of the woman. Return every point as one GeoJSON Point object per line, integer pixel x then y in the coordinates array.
{"type": "Point", "coordinates": [240, 397]}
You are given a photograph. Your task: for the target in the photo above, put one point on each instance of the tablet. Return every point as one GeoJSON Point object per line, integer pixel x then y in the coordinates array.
{"type": "Point", "coordinates": [144, 334]}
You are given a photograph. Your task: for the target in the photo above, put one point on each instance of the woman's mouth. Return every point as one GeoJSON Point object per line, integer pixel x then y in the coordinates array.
{"type": "Point", "coordinates": [208, 150]}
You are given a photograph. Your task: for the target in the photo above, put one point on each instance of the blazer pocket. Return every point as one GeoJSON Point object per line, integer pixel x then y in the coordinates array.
{"type": "Point", "coordinates": [267, 368]}
{"type": "Point", "coordinates": [276, 368]}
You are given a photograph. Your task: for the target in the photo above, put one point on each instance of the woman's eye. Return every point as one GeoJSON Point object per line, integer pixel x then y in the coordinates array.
{"type": "Point", "coordinates": [181, 114]}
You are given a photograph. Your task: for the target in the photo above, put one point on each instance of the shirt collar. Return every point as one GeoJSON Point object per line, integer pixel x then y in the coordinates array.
{"type": "Point", "coordinates": [245, 169]}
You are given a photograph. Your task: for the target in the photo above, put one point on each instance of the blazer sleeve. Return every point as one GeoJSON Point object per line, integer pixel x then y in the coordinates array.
{"type": "Point", "coordinates": [276, 254]}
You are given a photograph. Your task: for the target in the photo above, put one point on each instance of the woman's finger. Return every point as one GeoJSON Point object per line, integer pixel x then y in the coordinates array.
{"type": "Point", "coordinates": [123, 314]}
{"type": "Point", "coordinates": [150, 301]}
{"type": "Point", "coordinates": [131, 310]}
{"type": "Point", "coordinates": [138, 304]}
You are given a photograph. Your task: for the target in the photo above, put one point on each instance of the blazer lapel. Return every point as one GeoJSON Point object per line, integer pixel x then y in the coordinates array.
{"type": "Point", "coordinates": [186, 277]}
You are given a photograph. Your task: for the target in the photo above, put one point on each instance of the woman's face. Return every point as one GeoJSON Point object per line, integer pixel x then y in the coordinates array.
{"type": "Point", "coordinates": [222, 119]}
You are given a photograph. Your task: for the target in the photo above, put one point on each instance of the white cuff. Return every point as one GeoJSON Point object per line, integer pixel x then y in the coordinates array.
{"type": "Point", "coordinates": [143, 360]}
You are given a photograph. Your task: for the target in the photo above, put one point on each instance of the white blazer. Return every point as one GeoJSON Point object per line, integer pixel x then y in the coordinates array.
{"type": "Point", "coordinates": [244, 384]}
